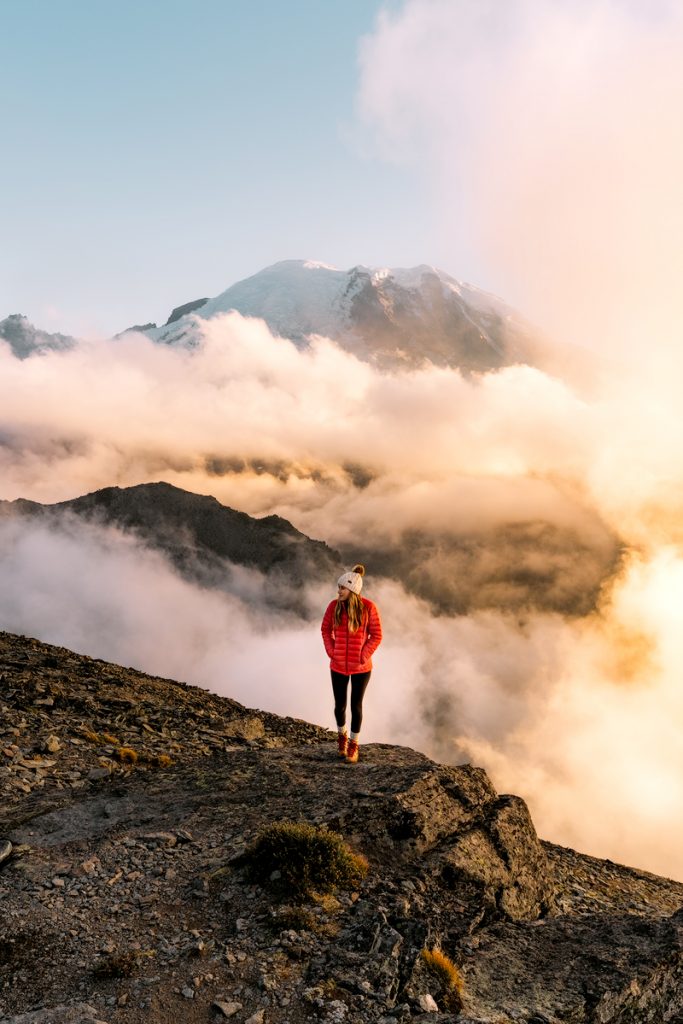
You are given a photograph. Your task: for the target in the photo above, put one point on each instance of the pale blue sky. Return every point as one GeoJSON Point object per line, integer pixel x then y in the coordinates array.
{"type": "Point", "coordinates": [157, 150]}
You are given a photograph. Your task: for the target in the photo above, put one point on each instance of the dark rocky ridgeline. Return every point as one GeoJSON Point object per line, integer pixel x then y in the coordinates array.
{"type": "Point", "coordinates": [517, 568]}
{"type": "Point", "coordinates": [131, 800]}
{"type": "Point", "coordinates": [200, 536]}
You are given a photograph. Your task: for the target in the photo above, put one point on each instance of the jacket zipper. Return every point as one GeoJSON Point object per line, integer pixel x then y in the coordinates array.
{"type": "Point", "coordinates": [347, 643]}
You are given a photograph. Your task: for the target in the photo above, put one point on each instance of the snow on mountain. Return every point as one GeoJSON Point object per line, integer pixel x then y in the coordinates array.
{"type": "Point", "coordinates": [385, 315]}
{"type": "Point", "coordinates": [25, 340]}
{"type": "Point", "coordinates": [392, 317]}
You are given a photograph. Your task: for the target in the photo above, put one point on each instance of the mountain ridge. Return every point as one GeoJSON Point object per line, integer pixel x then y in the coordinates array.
{"type": "Point", "coordinates": [201, 537]}
{"type": "Point", "coordinates": [25, 340]}
{"type": "Point", "coordinates": [453, 572]}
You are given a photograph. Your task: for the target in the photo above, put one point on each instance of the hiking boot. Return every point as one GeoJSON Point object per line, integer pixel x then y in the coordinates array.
{"type": "Point", "coordinates": [352, 752]}
{"type": "Point", "coordinates": [342, 743]}
{"type": "Point", "coordinates": [5, 849]}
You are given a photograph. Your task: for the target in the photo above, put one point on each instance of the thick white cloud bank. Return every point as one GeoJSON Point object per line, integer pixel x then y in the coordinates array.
{"type": "Point", "coordinates": [581, 716]}
{"type": "Point", "coordinates": [546, 131]}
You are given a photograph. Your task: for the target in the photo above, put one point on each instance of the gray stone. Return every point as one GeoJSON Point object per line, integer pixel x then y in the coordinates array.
{"type": "Point", "coordinates": [73, 1013]}
{"type": "Point", "coordinates": [256, 1018]}
{"type": "Point", "coordinates": [245, 728]}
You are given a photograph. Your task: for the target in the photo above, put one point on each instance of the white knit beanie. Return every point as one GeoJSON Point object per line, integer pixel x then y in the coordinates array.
{"type": "Point", "coordinates": [353, 581]}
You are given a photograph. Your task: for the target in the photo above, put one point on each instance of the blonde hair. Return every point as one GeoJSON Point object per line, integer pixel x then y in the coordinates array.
{"type": "Point", "coordinates": [354, 606]}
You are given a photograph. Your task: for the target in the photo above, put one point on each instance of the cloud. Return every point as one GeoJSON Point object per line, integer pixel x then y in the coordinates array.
{"type": "Point", "coordinates": [98, 590]}
{"type": "Point", "coordinates": [436, 478]}
{"type": "Point", "coordinates": [547, 132]}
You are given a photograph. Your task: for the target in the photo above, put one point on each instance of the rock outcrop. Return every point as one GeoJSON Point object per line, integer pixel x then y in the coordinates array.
{"type": "Point", "coordinates": [187, 307]}
{"type": "Point", "coordinates": [130, 802]}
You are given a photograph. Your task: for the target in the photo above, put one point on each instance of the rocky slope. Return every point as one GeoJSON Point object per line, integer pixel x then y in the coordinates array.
{"type": "Point", "coordinates": [130, 802]}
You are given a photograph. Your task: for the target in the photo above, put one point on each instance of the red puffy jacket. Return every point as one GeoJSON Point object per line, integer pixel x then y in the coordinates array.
{"type": "Point", "coordinates": [351, 652]}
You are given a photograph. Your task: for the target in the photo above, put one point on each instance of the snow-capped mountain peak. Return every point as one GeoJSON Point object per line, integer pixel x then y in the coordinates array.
{"type": "Point", "coordinates": [388, 315]}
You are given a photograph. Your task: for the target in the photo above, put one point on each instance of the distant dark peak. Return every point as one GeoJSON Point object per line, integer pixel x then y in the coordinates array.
{"type": "Point", "coordinates": [179, 311]}
{"type": "Point", "coordinates": [16, 327]}
{"type": "Point", "coordinates": [204, 538]}
{"type": "Point", "coordinates": [20, 505]}
{"type": "Point", "coordinates": [156, 492]}
{"type": "Point", "coordinates": [24, 339]}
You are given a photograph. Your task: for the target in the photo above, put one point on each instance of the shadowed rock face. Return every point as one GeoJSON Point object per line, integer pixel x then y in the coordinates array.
{"type": "Point", "coordinates": [393, 325]}
{"type": "Point", "coordinates": [188, 307]}
{"type": "Point", "coordinates": [114, 856]}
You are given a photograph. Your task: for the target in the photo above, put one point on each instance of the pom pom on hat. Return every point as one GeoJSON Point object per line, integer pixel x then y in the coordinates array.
{"type": "Point", "coordinates": [353, 580]}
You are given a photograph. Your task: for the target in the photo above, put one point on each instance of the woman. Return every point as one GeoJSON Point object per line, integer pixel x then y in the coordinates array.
{"type": "Point", "coordinates": [352, 632]}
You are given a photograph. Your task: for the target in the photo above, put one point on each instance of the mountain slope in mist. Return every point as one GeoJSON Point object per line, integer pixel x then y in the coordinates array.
{"type": "Point", "coordinates": [201, 537]}
{"type": "Point", "coordinates": [393, 317]}
{"type": "Point", "coordinates": [517, 567]}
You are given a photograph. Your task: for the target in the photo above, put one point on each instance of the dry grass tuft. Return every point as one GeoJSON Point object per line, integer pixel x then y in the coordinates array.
{"type": "Point", "coordinates": [159, 760]}
{"type": "Point", "coordinates": [450, 978]}
{"type": "Point", "coordinates": [126, 755]}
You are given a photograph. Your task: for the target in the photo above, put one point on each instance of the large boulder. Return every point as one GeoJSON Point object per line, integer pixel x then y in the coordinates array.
{"type": "Point", "coordinates": [451, 825]}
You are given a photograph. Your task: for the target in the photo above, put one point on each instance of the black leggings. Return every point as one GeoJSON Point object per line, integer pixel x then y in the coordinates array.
{"type": "Point", "coordinates": [340, 685]}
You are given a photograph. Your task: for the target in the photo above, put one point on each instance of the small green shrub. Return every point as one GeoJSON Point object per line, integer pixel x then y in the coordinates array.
{"type": "Point", "coordinates": [301, 859]}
